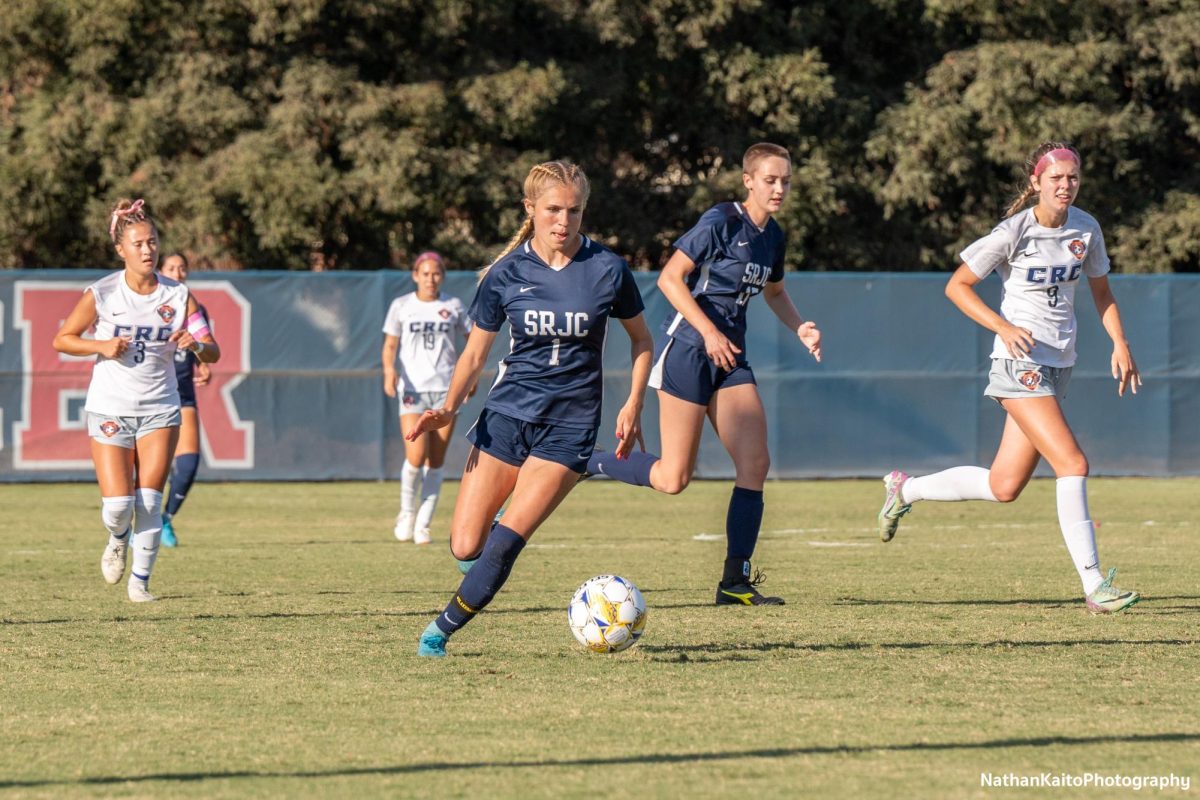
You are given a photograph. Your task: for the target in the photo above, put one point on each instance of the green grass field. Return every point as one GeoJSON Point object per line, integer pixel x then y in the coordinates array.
{"type": "Point", "coordinates": [281, 657]}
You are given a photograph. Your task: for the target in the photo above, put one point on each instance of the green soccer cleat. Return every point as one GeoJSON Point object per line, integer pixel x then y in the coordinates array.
{"type": "Point", "coordinates": [1108, 599]}
{"type": "Point", "coordinates": [893, 509]}
{"type": "Point", "coordinates": [433, 642]}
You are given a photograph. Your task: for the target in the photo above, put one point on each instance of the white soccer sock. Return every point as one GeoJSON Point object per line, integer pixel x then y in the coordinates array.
{"type": "Point", "coordinates": [430, 486]}
{"type": "Point", "coordinates": [410, 487]}
{"type": "Point", "coordinates": [147, 530]}
{"type": "Point", "coordinates": [1078, 530]}
{"type": "Point", "coordinates": [956, 483]}
{"type": "Point", "coordinates": [116, 513]}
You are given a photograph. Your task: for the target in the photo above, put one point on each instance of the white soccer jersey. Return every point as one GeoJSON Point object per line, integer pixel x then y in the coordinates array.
{"type": "Point", "coordinates": [1040, 268]}
{"type": "Point", "coordinates": [142, 381]}
{"type": "Point", "coordinates": [429, 335]}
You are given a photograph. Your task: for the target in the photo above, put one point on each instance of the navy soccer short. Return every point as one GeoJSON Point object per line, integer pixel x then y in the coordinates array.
{"type": "Point", "coordinates": [187, 393]}
{"type": "Point", "coordinates": [687, 372]}
{"type": "Point", "coordinates": [513, 440]}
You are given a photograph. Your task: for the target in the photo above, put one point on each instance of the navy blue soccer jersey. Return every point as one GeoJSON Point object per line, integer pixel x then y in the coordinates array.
{"type": "Point", "coordinates": [559, 319]}
{"type": "Point", "coordinates": [734, 260]}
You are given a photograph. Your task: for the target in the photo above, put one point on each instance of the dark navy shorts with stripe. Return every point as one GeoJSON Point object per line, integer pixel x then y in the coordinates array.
{"type": "Point", "coordinates": [513, 440]}
{"type": "Point", "coordinates": [685, 371]}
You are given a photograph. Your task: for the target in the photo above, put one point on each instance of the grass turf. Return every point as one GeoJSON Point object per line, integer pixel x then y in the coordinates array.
{"type": "Point", "coordinates": [281, 658]}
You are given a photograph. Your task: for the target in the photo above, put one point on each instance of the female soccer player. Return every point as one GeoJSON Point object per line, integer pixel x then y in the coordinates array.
{"type": "Point", "coordinates": [190, 372]}
{"type": "Point", "coordinates": [425, 327]}
{"type": "Point", "coordinates": [132, 403]}
{"type": "Point", "coordinates": [1040, 254]}
{"type": "Point", "coordinates": [557, 290]}
{"type": "Point", "coordinates": [734, 252]}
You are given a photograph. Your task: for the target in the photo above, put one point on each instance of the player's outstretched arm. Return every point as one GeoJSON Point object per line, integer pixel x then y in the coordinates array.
{"type": "Point", "coordinates": [466, 375]}
{"type": "Point", "coordinates": [780, 302]}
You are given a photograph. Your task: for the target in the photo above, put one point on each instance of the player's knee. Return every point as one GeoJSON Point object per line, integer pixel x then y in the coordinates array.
{"type": "Point", "coordinates": [754, 468]}
{"type": "Point", "coordinates": [672, 482]}
{"type": "Point", "coordinates": [116, 513]}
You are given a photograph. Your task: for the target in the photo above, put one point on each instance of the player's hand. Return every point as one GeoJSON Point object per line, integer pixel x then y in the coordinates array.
{"type": "Point", "coordinates": [810, 337]}
{"type": "Point", "coordinates": [114, 348]}
{"type": "Point", "coordinates": [202, 375]}
{"type": "Point", "coordinates": [1018, 341]}
{"type": "Point", "coordinates": [1124, 370]}
{"type": "Point", "coordinates": [389, 382]}
{"type": "Point", "coordinates": [629, 431]}
{"type": "Point", "coordinates": [720, 350]}
{"type": "Point", "coordinates": [183, 339]}
{"type": "Point", "coordinates": [431, 420]}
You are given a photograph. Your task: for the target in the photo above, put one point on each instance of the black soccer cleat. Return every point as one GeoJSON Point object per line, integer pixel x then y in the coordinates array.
{"type": "Point", "coordinates": [744, 593]}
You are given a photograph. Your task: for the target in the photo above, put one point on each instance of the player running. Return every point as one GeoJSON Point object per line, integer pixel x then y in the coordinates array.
{"type": "Point", "coordinates": [132, 402]}
{"type": "Point", "coordinates": [425, 327]}
{"type": "Point", "coordinates": [556, 288]}
{"type": "Point", "coordinates": [734, 252]}
{"type": "Point", "coordinates": [1040, 253]}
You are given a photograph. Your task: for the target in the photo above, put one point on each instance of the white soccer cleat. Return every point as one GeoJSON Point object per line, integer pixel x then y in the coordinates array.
{"type": "Point", "coordinates": [112, 563]}
{"type": "Point", "coordinates": [404, 527]}
{"type": "Point", "coordinates": [138, 592]}
{"type": "Point", "coordinates": [421, 536]}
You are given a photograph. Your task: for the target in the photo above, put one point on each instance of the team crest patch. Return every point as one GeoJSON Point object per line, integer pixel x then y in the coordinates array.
{"type": "Point", "coordinates": [109, 428]}
{"type": "Point", "coordinates": [1030, 379]}
{"type": "Point", "coordinates": [444, 313]}
{"type": "Point", "coordinates": [1077, 248]}
{"type": "Point", "coordinates": [166, 312]}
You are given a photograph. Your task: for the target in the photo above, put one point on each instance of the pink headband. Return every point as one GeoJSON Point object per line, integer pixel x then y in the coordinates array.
{"type": "Point", "coordinates": [1061, 154]}
{"type": "Point", "coordinates": [428, 254]}
{"type": "Point", "coordinates": [123, 212]}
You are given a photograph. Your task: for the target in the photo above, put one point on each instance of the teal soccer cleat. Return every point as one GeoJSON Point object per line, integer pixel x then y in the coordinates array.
{"type": "Point", "coordinates": [1108, 599]}
{"type": "Point", "coordinates": [433, 642]}
{"type": "Point", "coordinates": [168, 533]}
{"type": "Point", "coordinates": [893, 509]}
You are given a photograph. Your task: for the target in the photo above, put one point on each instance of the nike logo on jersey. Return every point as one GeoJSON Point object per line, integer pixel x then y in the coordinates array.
{"type": "Point", "coordinates": [525, 289]}
{"type": "Point", "coordinates": [742, 244]}
{"type": "Point", "coordinates": [117, 313]}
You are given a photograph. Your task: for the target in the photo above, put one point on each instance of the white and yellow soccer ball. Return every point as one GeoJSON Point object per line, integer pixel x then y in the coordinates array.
{"type": "Point", "coordinates": [607, 614]}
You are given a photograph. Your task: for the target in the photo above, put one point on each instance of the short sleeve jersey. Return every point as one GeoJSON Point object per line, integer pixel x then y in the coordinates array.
{"type": "Point", "coordinates": [559, 320]}
{"type": "Point", "coordinates": [430, 333]}
{"type": "Point", "coordinates": [142, 381]}
{"type": "Point", "coordinates": [186, 360]}
{"type": "Point", "coordinates": [734, 260]}
{"type": "Point", "coordinates": [1040, 268]}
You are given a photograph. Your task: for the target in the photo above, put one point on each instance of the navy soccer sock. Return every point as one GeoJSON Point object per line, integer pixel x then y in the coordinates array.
{"type": "Point", "coordinates": [486, 577]}
{"type": "Point", "coordinates": [741, 533]}
{"type": "Point", "coordinates": [634, 470]}
{"type": "Point", "coordinates": [182, 477]}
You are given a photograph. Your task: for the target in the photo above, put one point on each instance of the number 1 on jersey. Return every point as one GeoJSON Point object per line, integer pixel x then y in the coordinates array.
{"type": "Point", "coordinates": [554, 353]}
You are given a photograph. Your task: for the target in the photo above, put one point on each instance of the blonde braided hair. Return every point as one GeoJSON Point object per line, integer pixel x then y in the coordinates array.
{"type": "Point", "coordinates": [541, 177]}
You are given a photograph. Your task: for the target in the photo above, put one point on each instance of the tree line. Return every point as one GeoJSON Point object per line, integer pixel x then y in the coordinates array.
{"type": "Point", "coordinates": [318, 134]}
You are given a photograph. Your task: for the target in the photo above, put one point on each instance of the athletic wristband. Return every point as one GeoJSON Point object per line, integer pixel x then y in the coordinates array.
{"type": "Point", "coordinates": [197, 325]}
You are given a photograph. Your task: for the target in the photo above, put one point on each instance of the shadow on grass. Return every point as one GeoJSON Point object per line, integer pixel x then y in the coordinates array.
{"type": "Point", "coordinates": [333, 614]}
{"type": "Point", "coordinates": [736, 651]}
{"type": "Point", "coordinates": [641, 758]}
{"type": "Point", "coordinates": [1041, 601]}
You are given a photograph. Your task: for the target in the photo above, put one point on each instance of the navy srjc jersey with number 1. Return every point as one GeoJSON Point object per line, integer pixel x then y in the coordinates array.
{"type": "Point", "coordinates": [559, 319]}
{"type": "Point", "coordinates": [734, 260]}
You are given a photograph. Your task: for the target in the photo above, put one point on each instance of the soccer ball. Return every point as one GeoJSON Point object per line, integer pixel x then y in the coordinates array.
{"type": "Point", "coordinates": [607, 614]}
